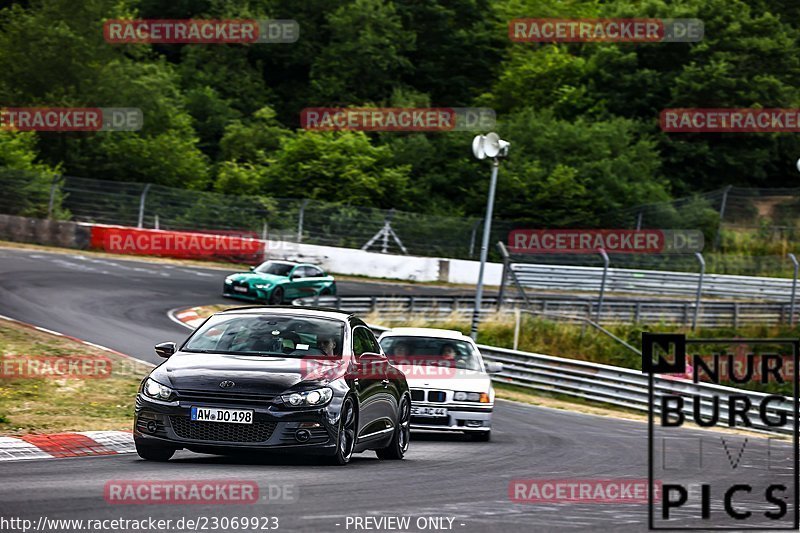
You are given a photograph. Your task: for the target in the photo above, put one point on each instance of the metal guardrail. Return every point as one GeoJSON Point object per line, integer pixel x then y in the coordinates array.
{"type": "Point", "coordinates": [712, 314]}
{"type": "Point", "coordinates": [653, 282]}
{"type": "Point", "coordinates": [621, 387]}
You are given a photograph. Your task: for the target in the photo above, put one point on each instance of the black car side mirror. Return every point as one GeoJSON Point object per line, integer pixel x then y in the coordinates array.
{"type": "Point", "coordinates": [165, 349]}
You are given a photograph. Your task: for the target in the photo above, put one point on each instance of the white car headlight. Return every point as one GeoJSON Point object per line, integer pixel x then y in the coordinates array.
{"type": "Point", "coordinates": [461, 396]}
{"type": "Point", "coordinates": [263, 286]}
{"type": "Point", "coordinates": [310, 398]}
{"type": "Point", "coordinates": [156, 390]}
{"type": "Point", "coordinates": [228, 281]}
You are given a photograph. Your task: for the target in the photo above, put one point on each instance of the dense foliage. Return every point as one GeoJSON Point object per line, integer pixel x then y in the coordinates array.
{"type": "Point", "coordinates": [582, 118]}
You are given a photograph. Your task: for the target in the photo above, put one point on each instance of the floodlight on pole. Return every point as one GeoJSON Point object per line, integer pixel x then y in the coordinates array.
{"type": "Point", "coordinates": [493, 147]}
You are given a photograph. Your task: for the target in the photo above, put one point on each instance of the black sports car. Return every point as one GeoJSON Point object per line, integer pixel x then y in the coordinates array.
{"type": "Point", "coordinates": [274, 378]}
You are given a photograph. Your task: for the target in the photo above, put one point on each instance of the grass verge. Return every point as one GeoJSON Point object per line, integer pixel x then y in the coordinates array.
{"type": "Point", "coordinates": [51, 384]}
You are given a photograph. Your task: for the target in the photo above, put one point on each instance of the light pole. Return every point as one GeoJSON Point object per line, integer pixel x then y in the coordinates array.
{"type": "Point", "coordinates": [483, 146]}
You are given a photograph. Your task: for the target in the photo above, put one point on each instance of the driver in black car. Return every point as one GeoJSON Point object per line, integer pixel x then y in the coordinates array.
{"type": "Point", "coordinates": [327, 344]}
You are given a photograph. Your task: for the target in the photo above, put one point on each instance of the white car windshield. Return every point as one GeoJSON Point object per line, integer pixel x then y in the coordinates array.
{"type": "Point", "coordinates": [410, 350]}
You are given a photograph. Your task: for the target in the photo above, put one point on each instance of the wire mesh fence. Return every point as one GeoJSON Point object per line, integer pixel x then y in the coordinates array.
{"type": "Point", "coordinates": [290, 219]}
{"type": "Point", "coordinates": [747, 231]}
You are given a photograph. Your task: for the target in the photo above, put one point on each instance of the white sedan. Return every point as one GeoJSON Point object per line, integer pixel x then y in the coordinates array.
{"type": "Point", "coordinates": [449, 380]}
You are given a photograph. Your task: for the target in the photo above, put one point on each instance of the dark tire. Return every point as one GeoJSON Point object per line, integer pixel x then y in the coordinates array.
{"type": "Point", "coordinates": [154, 453]}
{"type": "Point", "coordinates": [325, 292]}
{"type": "Point", "coordinates": [481, 436]}
{"type": "Point", "coordinates": [402, 435]}
{"type": "Point", "coordinates": [276, 297]}
{"type": "Point", "coordinates": [346, 437]}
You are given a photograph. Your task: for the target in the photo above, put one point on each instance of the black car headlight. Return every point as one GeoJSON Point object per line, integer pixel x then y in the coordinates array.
{"type": "Point", "coordinates": [461, 396]}
{"type": "Point", "coordinates": [311, 398]}
{"type": "Point", "coordinates": [157, 391]}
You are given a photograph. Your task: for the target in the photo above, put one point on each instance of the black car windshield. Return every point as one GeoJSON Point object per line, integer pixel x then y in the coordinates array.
{"type": "Point", "coordinates": [278, 269]}
{"type": "Point", "coordinates": [269, 335]}
{"type": "Point", "coordinates": [430, 351]}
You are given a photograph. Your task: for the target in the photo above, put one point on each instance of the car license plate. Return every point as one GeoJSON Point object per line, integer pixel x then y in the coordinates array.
{"type": "Point", "coordinates": [429, 411]}
{"type": "Point", "coordinates": [240, 289]}
{"type": "Point", "coordinates": [215, 414]}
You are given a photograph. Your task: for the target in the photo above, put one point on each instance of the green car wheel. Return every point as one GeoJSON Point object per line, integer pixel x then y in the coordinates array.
{"type": "Point", "coordinates": [276, 297]}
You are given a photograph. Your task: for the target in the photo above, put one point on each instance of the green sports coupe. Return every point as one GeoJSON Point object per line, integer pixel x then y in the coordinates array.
{"type": "Point", "coordinates": [275, 282]}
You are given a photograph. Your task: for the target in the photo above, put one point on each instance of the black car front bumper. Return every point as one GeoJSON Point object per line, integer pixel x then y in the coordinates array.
{"type": "Point", "coordinates": [168, 424]}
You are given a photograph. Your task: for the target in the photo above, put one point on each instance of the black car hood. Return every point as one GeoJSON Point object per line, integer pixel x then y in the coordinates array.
{"type": "Point", "coordinates": [251, 374]}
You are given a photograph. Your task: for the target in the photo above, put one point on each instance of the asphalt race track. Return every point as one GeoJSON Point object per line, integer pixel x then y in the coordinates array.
{"type": "Point", "coordinates": [123, 304]}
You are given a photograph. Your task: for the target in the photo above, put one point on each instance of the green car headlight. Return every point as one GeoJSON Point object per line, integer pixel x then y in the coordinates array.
{"type": "Point", "coordinates": [312, 398]}
{"type": "Point", "coordinates": [263, 286]}
{"type": "Point", "coordinates": [156, 390]}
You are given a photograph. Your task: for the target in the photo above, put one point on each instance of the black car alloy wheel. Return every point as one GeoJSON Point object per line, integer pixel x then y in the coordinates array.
{"type": "Point", "coordinates": [402, 434]}
{"type": "Point", "coordinates": [346, 439]}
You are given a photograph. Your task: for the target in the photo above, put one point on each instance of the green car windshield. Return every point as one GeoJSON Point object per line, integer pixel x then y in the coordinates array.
{"type": "Point", "coordinates": [270, 335]}
{"type": "Point", "coordinates": [271, 267]}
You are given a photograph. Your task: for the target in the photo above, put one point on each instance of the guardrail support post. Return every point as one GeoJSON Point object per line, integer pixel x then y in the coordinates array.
{"type": "Point", "coordinates": [794, 288]}
{"type": "Point", "coordinates": [517, 319]}
{"type": "Point", "coordinates": [141, 205]}
{"type": "Point", "coordinates": [702, 261]}
{"type": "Point", "coordinates": [602, 285]}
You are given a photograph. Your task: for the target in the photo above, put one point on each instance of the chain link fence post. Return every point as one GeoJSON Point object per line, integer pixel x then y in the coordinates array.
{"type": "Point", "coordinates": [142, 200]}
{"type": "Point", "coordinates": [52, 202]}
{"type": "Point", "coordinates": [702, 262]}
{"type": "Point", "coordinates": [606, 261]}
{"type": "Point", "coordinates": [303, 205]}
{"type": "Point", "coordinates": [794, 288]}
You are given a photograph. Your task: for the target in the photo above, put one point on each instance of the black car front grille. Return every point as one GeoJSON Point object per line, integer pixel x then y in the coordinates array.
{"type": "Point", "coordinates": [417, 395]}
{"type": "Point", "coordinates": [223, 397]}
{"type": "Point", "coordinates": [221, 432]}
{"type": "Point", "coordinates": [435, 396]}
